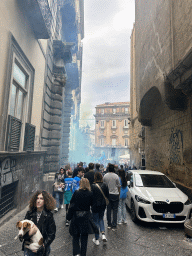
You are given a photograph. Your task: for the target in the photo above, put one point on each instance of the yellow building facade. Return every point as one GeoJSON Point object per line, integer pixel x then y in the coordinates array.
{"type": "Point", "coordinates": [112, 131]}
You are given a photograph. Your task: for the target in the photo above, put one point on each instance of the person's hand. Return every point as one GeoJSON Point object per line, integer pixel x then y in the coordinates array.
{"type": "Point", "coordinates": [41, 250]}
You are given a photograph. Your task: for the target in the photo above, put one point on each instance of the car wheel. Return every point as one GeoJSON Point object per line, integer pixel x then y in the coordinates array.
{"type": "Point", "coordinates": [133, 212]}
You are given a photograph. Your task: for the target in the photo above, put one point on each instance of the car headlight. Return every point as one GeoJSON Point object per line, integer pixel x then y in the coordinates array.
{"type": "Point", "coordinates": [142, 200]}
{"type": "Point", "coordinates": [187, 202]}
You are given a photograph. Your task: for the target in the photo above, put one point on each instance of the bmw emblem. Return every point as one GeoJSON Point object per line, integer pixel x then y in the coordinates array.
{"type": "Point", "coordinates": [167, 200]}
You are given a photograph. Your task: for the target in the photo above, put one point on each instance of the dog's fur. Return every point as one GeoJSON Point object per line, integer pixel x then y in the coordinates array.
{"type": "Point", "coordinates": [36, 239]}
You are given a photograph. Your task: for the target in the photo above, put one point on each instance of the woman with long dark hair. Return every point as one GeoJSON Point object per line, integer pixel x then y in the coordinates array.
{"type": "Point", "coordinates": [99, 189]}
{"type": "Point", "coordinates": [40, 207]}
{"type": "Point", "coordinates": [121, 215]}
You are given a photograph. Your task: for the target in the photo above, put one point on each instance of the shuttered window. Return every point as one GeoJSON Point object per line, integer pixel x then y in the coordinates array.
{"type": "Point", "coordinates": [14, 133]}
{"type": "Point", "coordinates": [29, 138]}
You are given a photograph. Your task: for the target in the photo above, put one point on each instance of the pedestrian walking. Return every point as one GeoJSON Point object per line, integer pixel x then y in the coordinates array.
{"type": "Point", "coordinates": [76, 180]}
{"type": "Point", "coordinates": [81, 220]}
{"type": "Point", "coordinates": [90, 174]}
{"type": "Point", "coordinates": [86, 169]}
{"type": "Point", "coordinates": [100, 193]}
{"type": "Point", "coordinates": [121, 215]}
{"type": "Point", "coordinates": [59, 189]}
{"type": "Point", "coordinates": [40, 207]}
{"type": "Point", "coordinates": [68, 192]}
{"type": "Point", "coordinates": [75, 172]}
{"type": "Point", "coordinates": [113, 183]}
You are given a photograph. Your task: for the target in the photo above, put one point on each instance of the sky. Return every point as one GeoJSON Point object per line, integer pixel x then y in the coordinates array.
{"type": "Point", "coordinates": [106, 54]}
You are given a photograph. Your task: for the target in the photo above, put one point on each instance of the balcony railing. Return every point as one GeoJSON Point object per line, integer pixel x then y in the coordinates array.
{"type": "Point", "coordinates": [121, 114]}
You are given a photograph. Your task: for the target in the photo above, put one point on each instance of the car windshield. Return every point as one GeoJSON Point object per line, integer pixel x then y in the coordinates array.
{"type": "Point", "coordinates": [153, 180]}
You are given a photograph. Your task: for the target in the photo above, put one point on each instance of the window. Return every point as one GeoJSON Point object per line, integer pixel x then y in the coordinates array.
{"type": "Point", "coordinates": [19, 94]}
{"type": "Point", "coordinates": [126, 125]}
{"type": "Point", "coordinates": [18, 91]}
{"type": "Point", "coordinates": [102, 142]}
{"type": "Point", "coordinates": [113, 142]}
{"type": "Point", "coordinates": [102, 111]}
{"type": "Point", "coordinates": [114, 110]}
{"type": "Point", "coordinates": [113, 123]}
{"type": "Point", "coordinates": [126, 111]}
{"type": "Point", "coordinates": [126, 142]}
{"type": "Point", "coordinates": [102, 124]}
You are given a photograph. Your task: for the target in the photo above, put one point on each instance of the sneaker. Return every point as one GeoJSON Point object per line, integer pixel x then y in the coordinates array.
{"type": "Point", "coordinates": [67, 223]}
{"type": "Point", "coordinates": [56, 209]}
{"type": "Point", "coordinates": [104, 238]}
{"type": "Point", "coordinates": [119, 223]}
{"type": "Point", "coordinates": [109, 227]}
{"type": "Point", "coordinates": [114, 228]}
{"type": "Point", "coordinates": [62, 206]}
{"type": "Point", "coordinates": [125, 221]}
{"type": "Point", "coordinates": [95, 241]}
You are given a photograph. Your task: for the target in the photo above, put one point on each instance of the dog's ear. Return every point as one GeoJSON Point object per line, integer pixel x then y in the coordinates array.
{"type": "Point", "coordinates": [26, 225]}
{"type": "Point", "coordinates": [19, 224]}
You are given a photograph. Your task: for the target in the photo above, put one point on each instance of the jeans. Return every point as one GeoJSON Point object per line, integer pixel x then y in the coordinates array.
{"type": "Point", "coordinates": [59, 199]}
{"type": "Point", "coordinates": [76, 246]}
{"type": "Point", "coordinates": [112, 206]}
{"type": "Point", "coordinates": [121, 215]}
{"type": "Point", "coordinates": [28, 252]}
{"type": "Point", "coordinates": [98, 219]}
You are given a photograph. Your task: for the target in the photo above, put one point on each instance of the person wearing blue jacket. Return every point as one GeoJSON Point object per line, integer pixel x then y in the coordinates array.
{"type": "Point", "coordinates": [121, 215]}
{"type": "Point", "coordinates": [76, 180]}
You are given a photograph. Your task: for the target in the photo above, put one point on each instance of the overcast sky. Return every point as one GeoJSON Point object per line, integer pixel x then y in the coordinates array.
{"type": "Point", "coordinates": [106, 54]}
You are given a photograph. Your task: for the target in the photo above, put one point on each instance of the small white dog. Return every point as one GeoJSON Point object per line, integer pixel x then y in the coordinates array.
{"type": "Point", "coordinates": [36, 240]}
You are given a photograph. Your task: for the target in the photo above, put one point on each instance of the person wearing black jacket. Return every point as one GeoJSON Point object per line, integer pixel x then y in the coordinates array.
{"type": "Point", "coordinates": [81, 220]}
{"type": "Point", "coordinates": [40, 207]}
{"type": "Point", "coordinates": [90, 174]}
{"type": "Point", "coordinates": [99, 205]}
{"type": "Point", "coordinates": [75, 172]}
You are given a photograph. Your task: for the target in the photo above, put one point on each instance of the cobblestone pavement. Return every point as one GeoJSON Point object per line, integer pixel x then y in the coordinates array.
{"type": "Point", "coordinates": [128, 240]}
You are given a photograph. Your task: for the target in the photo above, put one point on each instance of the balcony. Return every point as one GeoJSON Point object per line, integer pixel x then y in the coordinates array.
{"type": "Point", "coordinates": [117, 114]}
{"type": "Point", "coordinates": [39, 15]}
{"type": "Point", "coordinates": [72, 75]}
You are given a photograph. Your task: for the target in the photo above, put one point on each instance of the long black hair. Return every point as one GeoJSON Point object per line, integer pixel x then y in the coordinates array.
{"type": "Point", "coordinates": [123, 178]}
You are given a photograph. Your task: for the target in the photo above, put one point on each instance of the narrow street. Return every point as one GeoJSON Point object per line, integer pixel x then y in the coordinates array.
{"type": "Point", "coordinates": [131, 239]}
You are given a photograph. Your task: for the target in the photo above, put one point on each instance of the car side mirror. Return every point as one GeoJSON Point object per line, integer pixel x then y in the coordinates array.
{"type": "Point", "coordinates": [128, 183]}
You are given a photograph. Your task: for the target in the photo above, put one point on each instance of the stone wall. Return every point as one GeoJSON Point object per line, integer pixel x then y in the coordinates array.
{"type": "Point", "coordinates": [168, 143]}
{"type": "Point", "coordinates": [163, 74]}
{"type": "Point", "coordinates": [27, 170]}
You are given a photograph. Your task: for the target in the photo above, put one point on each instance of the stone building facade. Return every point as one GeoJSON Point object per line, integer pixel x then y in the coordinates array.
{"type": "Point", "coordinates": [33, 57]}
{"type": "Point", "coordinates": [25, 29]}
{"type": "Point", "coordinates": [112, 131]}
{"type": "Point", "coordinates": [163, 75]}
{"type": "Point", "coordinates": [73, 32]}
{"type": "Point", "coordinates": [137, 131]}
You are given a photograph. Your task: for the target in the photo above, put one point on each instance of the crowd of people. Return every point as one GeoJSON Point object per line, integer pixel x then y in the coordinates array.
{"type": "Point", "coordinates": [86, 193]}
